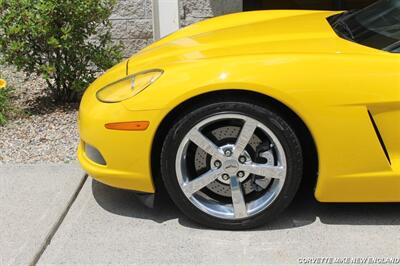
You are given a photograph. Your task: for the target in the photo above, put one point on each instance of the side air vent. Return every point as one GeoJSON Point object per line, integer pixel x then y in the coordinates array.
{"type": "Point", "coordinates": [378, 134]}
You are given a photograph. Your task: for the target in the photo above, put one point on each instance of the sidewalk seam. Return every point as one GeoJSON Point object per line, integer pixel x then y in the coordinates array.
{"type": "Point", "coordinates": [60, 220]}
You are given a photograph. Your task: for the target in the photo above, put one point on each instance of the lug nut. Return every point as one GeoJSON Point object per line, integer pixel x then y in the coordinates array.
{"type": "Point", "coordinates": [217, 164]}
{"type": "Point", "coordinates": [240, 174]}
{"type": "Point", "coordinates": [228, 153]}
{"type": "Point", "coordinates": [225, 177]}
{"type": "Point", "coordinates": [242, 159]}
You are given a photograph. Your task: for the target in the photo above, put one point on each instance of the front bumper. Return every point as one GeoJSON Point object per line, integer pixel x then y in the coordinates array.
{"type": "Point", "coordinates": [127, 154]}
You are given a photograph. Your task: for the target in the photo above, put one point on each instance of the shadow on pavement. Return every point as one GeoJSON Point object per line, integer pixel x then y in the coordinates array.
{"type": "Point", "coordinates": [304, 210]}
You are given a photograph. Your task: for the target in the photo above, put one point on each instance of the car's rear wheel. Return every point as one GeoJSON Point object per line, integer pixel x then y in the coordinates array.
{"type": "Point", "coordinates": [231, 165]}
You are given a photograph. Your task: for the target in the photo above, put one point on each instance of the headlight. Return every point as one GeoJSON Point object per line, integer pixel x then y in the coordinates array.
{"type": "Point", "coordinates": [128, 87]}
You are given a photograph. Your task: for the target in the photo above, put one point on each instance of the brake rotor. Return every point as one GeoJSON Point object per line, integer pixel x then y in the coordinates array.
{"type": "Point", "coordinates": [225, 135]}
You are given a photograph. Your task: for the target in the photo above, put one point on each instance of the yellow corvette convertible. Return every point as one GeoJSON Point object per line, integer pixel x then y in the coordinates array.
{"type": "Point", "coordinates": [232, 113]}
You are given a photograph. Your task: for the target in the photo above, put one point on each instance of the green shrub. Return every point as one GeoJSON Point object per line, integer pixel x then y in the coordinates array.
{"type": "Point", "coordinates": [67, 42]}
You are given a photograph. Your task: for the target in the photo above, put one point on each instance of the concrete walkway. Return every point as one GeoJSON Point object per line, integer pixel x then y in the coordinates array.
{"type": "Point", "coordinates": [33, 201]}
{"type": "Point", "coordinates": [109, 226]}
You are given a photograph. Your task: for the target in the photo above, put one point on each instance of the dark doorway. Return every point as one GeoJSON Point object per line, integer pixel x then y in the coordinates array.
{"type": "Point", "coordinates": [305, 4]}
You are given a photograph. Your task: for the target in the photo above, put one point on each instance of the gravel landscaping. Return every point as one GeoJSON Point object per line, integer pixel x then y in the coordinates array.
{"type": "Point", "coordinates": [38, 131]}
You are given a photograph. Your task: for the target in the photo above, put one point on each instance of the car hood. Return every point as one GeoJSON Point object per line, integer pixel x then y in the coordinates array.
{"type": "Point", "coordinates": [248, 33]}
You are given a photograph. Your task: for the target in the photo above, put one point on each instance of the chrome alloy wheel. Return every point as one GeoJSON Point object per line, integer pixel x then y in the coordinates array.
{"type": "Point", "coordinates": [231, 166]}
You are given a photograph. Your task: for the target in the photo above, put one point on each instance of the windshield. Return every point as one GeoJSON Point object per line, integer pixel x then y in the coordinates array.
{"type": "Point", "coordinates": [377, 25]}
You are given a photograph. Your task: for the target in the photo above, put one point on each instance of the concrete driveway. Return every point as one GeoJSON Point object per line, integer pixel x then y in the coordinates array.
{"type": "Point", "coordinates": [105, 225]}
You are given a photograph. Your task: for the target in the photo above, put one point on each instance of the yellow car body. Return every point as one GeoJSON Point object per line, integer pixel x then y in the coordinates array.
{"type": "Point", "coordinates": [347, 94]}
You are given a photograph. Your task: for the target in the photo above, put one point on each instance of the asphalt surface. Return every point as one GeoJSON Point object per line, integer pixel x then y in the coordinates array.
{"type": "Point", "coordinates": [105, 225]}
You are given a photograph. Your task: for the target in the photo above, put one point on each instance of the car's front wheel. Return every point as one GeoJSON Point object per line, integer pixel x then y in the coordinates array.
{"type": "Point", "coordinates": [231, 164]}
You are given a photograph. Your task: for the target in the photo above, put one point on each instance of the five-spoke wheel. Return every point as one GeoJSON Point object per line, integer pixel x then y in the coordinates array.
{"type": "Point", "coordinates": [231, 164]}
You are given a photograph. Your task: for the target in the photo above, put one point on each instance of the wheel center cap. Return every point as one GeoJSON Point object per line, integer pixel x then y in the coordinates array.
{"type": "Point", "coordinates": [231, 166]}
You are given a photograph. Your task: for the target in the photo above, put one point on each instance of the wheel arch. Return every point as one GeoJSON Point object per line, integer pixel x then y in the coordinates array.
{"type": "Point", "coordinates": [310, 172]}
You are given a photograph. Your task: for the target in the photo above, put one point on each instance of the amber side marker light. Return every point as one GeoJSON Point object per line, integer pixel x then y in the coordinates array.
{"type": "Point", "coordinates": [130, 126]}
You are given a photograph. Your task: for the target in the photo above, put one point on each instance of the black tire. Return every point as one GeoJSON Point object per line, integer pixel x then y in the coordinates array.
{"type": "Point", "coordinates": [270, 118]}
